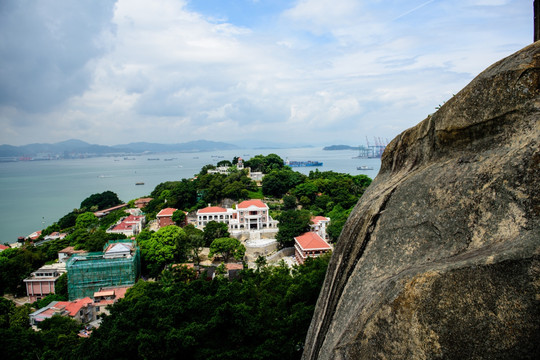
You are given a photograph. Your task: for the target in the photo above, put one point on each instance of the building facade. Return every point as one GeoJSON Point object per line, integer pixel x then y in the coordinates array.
{"type": "Point", "coordinates": [130, 225]}
{"type": "Point", "coordinates": [319, 225]}
{"type": "Point", "coordinates": [42, 281]}
{"type": "Point", "coordinates": [164, 217]}
{"type": "Point", "coordinates": [248, 215]}
{"type": "Point", "coordinates": [309, 244]}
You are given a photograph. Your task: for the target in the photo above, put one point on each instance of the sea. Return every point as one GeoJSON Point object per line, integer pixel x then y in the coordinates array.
{"type": "Point", "coordinates": [35, 194]}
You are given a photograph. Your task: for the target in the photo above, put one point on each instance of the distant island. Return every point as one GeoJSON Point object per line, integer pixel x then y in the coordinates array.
{"type": "Point", "coordinates": [340, 147]}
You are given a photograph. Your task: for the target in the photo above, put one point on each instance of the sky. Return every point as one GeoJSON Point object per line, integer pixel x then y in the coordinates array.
{"type": "Point", "coordinates": [247, 72]}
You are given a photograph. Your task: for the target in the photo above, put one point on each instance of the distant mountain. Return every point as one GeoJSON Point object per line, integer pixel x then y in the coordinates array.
{"type": "Point", "coordinates": [73, 147]}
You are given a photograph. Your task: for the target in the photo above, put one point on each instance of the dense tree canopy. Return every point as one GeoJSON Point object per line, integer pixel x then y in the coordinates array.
{"type": "Point", "coordinates": [291, 224]}
{"type": "Point", "coordinates": [105, 200]}
{"type": "Point", "coordinates": [214, 230]}
{"type": "Point", "coordinates": [265, 164]}
{"type": "Point", "coordinates": [264, 315]}
{"type": "Point", "coordinates": [227, 248]}
{"type": "Point", "coordinates": [166, 246]}
{"type": "Point", "coordinates": [86, 221]}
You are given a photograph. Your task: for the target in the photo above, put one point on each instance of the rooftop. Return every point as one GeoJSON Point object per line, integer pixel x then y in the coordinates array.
{"type": "Point", "coordinates": [312, 241]}
{"type": "Point", "coordinates": [211, 209]}
{"type": "Point", "coordinates": [166, 212]}
{"type": "Point", "coordinates": [255, 202]}
{"type": "Point", "coordinates": [317, 219]}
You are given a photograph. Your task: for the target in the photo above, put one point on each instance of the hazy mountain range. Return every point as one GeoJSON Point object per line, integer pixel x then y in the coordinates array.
{"type": "Point", "coordinates": [73, 147]}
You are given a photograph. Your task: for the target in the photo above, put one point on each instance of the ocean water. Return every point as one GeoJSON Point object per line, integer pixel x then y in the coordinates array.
{"type": "Point", "coordinates": [34, 194]}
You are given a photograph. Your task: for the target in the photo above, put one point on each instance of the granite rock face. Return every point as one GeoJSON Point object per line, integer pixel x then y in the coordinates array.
{"type": "Point", "coordinates": [440, 259]}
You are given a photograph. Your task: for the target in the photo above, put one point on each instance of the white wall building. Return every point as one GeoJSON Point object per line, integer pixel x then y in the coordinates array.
{"type": "Point", "coordinates": [248, 215]}
{"type": "Point", "coordinates": [319, 226]}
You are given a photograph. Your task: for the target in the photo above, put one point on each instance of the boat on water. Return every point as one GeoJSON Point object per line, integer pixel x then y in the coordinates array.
{"type": "Point", "coordinates": [139, 183]}
{"type": "Point", "coordinates": [153, 158]}
{"type": "Point", "coordinates": [364, 167]}
{"type": "Point", "coordinates": [302, 163]}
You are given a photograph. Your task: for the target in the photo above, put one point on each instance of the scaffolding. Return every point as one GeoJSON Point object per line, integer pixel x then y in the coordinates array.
{"type": "Point", "coordinates": [87, 273]}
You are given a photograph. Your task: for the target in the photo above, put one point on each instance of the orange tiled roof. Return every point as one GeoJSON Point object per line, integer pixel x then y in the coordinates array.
{"type": "Point", "coordinates": [316, 219]}
{"type": "Point", "coordinates": [72, 307]}
{"type": "Point", "coordinates": [166, 212]}
{"type": "Point", "coordinates": [255, 202]}
{"type": "Point", "coordinates": [212, 209]}
{"type": "Point", "coordinates": [312, 241]}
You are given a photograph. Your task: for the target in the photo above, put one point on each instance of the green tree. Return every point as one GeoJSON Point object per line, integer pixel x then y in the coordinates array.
{"type": "Point", "coordinates": [291, 224]}
{"type": "Point", "coordinates": [68, 220]}
{"type": "Point", "coordinates": [86, 221]}
{"type": "Point", "coordinates": [227, 248]}
{"type": "Point", "coordinates": [308, 190]}
{"type": "Point", "coordinates": [260, 262]}
{"type": "Point", "coordinates": [278, 182]}
{"type": "Point", "coordinates": [272, 162]}
{"type": "Point", "coordinates": [224, 163]}
{"type": "Point", "coordinates": [105, 200]}
{"type": "Point", "coordinates": [214, 230]}
{"type": "Point", "coordinates": [338, 217]}
{"type": "Point", "coordinates": [59, 335]}
{"type": "Point", "coordinates": [166, 246]}
{"type": "Point", "coordinates": [179, 217]}
{"type": "Point", "coordinates": [289, 202]}
{"type": "Point", "coordinates": [61, 286]}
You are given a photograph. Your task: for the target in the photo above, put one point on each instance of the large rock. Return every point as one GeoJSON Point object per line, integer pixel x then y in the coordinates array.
{"type": "Point", "coordinates": [441, 256]}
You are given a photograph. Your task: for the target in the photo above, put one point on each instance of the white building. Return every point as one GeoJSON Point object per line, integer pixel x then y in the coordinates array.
{"type": "Point", "coordinates": [248, 215]}
{"type": "Point", "coordinates": [130, 225]}
{"type": "Point", "coordinates": [214, 213]}
{"type": "Point", "coordinates": [42, 281]}
{"type": "Point", "coordinates": [319, 226]}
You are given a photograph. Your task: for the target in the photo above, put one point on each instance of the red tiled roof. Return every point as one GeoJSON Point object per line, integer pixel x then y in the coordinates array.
{"type": "Point", "coordinates": [133, 218]}
{"type": "Point", "coordinates": [312, 241]}
{"type": "Point", "coordinates": [316, 219]}
{"type": "Point", "coordinates": [141, 200]}
{"type": "Point", "coordinates": [3, 247]}
{"type": "Point", "coordinates": [166, 212]}
{"type": "Point", "coordinates": [212, 209]}
{"type": "Point", "coordinates": [73, 306]}
{"type": "Point", "coordinates": [123, 226]}
{"type": "Point", "coordinates": [255, 202]}
{"type": "Point", "coordinates": [34, 235]}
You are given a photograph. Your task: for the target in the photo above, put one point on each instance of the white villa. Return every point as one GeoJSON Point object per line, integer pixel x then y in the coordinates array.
{"type": "Point", "coordinates": [319, 225]}
{"type": "Point", "coordinates": [248, 215]}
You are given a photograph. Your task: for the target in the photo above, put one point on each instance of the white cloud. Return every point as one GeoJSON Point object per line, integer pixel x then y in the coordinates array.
{"type": "Point", "coordinates": [158, 71]}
